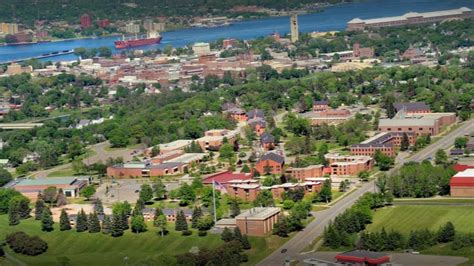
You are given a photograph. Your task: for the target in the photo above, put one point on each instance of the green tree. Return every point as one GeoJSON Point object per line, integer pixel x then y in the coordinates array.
{"type": "Point", "coordinates": [61, 199]}
{"type": "Point", "coordinates": [39, 207]}
{"type": "Point", "coordinates": [161, 223]}
{"type": "Point", "coordinates": [138, 224]}
{"type": "Point", "coordinates": [384, 162]}
{"type": "Point", "coordinates": [441, 158]}
{"type": "Point", "coordinates": [460, 142]}
{"type": "Point", "coordinates": [226, 151]}
{"type": "Point", "coordinates": [187, 194]}
{"type": "Point", "coordinates": [227, 235]}
{"type": "Point", "coordinates": [106, 225]}
{"type": "Point", "coordinates": [246, 243]}
{"type": "Point", "coordinates": [181, 223]}
{"type": "Point", "coordinates": [117, 227]}
{"type": "Point", "coordinates": [405, 143]}
{"type": "Point", "coordinates": [98, 207]}
{"type": "Point", "coordinates": [159, 189]}
{"type": "Point", "coordinates": [281, 227]}
{"type": "Point", "coordinates": [264, 199]}
{"type": "Point", "coordinates": [49, 195]}
{"type": "Point", "coordinates": [64, 223]}
{"type": "Point", "coordinates": [88, 192]}
{"type": "Point", "coordinates": [205, 223]}
{"type": "Point", "coordinates": [93, 223]}
{"type": "Point", "coordinates": [81, 221]}
{"type": "Point", "coordinates": [5, 176]}
{"type": "Point", "coordinates": [13, 213]}
{"type": "Point", "coordinates": [326, 193]}
{"type": "Point", "coordinates": [146, 193]}
{"type": "Point", "coordinates": [234, 208]}
{"type": "Point", "coordinates": [446, 233]}
{"type": "Point", "coordinates": [197, 214]}
{"type": "Point", "coordinates": [47, 221]}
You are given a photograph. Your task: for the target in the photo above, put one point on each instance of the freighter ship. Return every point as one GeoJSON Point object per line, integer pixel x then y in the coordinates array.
{"type": "Point", "coordinates": [151, 38]}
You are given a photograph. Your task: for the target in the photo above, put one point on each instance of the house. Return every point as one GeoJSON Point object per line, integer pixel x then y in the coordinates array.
{"type": "Point", "coordinates": [258, 125]}
{"type": "Point", "coordinates": [267, 141]}
{"type": "Point", "coordinates": [271, 163]}
{"type": "Point", "coordinates": [258, 221]}
{"type": "Point", "coordinates": [238, 114]}
{"type": "Point", "coordinates": [71, 186]}
{"type": "Point", "coordinates": [462, 184]}
{"type": "Point", "coordinates": [320, 106]}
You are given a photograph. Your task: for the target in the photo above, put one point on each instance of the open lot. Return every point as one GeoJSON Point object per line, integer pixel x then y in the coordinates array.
{"type": "Point", "coordinates": [406, 218]}
{"type": "Point", "coordinates": [142, 249]}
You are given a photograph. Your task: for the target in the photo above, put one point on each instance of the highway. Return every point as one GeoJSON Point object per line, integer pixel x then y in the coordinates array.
{"type": "Point", "coordinates": [316, 228]}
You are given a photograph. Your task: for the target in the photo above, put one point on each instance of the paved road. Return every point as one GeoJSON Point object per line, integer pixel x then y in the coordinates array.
{"type": "Point", "coordinates": [315, 229]}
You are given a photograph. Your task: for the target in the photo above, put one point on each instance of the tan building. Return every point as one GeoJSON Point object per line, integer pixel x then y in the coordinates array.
{"type": "Point", "coordinates": [9, 28]}
{"type": "Point", "coordinates": [15, 69]}
{"type": "Point", "coordinates": [348, 165]}
{"type": "Point", "coordinates": [420, 124]}
{"type": "Point", "coordinates": [258, 221]}
{"type": "Point", "coordinates": [201, 48]}
{"type": "Point", "coordinates": [177, 145]}
{"type": "Point", "coordinates": [213, 139]}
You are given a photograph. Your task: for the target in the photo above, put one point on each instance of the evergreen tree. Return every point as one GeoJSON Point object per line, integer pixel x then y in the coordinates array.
{"type": "Point", "coordinates": [47, 221]}
{"type": "Point", "coordinates": [446, 233]}
{"type": "Point", "coordinates": [146, 193]}
{"type": "Point", "coordinates": [405, 143]}
{"type": "Point", "coordinates": [98, 207]}
{"type": "Point", "coordinates": [39, 207]}
{"type": "Point", "coordinates": [181, 223]}
{"type": "Point", "coordinates": [139, 206]}
{"type": "Point", "coordinates": [116, 229]}
{"type": "Point", "coordinates": [234, 208]}
{"type": "Point", "coordinates": [138, 224]}
{"type": "Point", "coordinates": [81, 221]}
{"type": "Point", "coordinates": [197, 214]}
{"type": "Point", "coordinates": [106, 225]}
{"type": "Point", "coordinates": [158, 212]}
{"type": "Point", "coordinates": [246, 243]}
{"type": "Point", "coordinates": [61, 199]}
{"type": "Point", "coordinates": [326, 193]}
{"type": "Point", "coordinates": [281, 228]}
{"type": "Point", "coordinates": [161, 223]}
{"type": "Point", "coordinates": [13, 215]}
{"type": "Point", "coordinates": [124, 221]}
{"type": "Point", "coordinates": [64, 223]}
{"type": "Point", "coordinates": [238, 235]}
{"type": "Point", "coordinates": [93, 223]}
{"type": "Point", "coordinates": [227, 235]}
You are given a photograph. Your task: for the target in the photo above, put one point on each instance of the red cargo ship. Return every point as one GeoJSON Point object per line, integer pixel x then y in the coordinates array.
{"type": "Point", "coordinates": [152, 38]}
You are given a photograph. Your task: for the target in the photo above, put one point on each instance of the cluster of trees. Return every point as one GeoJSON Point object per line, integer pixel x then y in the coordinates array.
{"type": "Point", "coordinates": [338, 233]}
{"type": "Point", "coordinates": [294, 221]}
{"type": "Point", "coordinates": [420, 180]}
{"type": "Point", "coordinates": [85, 53]}
{"type": "Point", "coordinates": [417, 239]}
{"type": "Point", "coordinates": [22, 243]}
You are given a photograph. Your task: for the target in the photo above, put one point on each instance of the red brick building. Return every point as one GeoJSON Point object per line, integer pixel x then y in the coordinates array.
{"type": "Point", "coordinates": [413, 108]}
{"type": "Point", "coordinates": [213, 139]}
{"type": "Point", "coordinates": [303, 173]}
{"type": "Point", "coordinates": [267, 141]}
{"type": "Point", "coordinates": [308, 187]}
{"type": "Point", "coordinates": [366, 52]}
{"type": "Point", "coordinates": [320, 106]}
{"type": "Point", "coordinates": [271, 163]}
{"type": "Point", "coordinates": [145, 170]}
{"type": "Point", "coordinates": [86, 21]}
{"type": "Point", "coordinates": [420, 124]}
{"type": "Point", "coordinates": [344, 165]}
{"type": "Point", "coordinates": [462, 184]}
{"type": "Point", "coordinates": [258, 221]}
{"type": "Point", "coordinates": [384, 142]}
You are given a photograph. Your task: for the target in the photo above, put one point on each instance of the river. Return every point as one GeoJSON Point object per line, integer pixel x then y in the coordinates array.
{"type": "Point", "coordinates": [332, 18]}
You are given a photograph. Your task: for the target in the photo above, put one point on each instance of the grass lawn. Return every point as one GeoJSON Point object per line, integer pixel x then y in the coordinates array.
{"type": "Point", "coordinates": [433, 200]}
{"type": "Point", "coordinates": [61, 173]}
{"type": "Point", "coordinates": [445, 249]}
{"type": "Point", "coordinates": [406, 218]}
{"type": "Point", "coordinates": [93, 249]}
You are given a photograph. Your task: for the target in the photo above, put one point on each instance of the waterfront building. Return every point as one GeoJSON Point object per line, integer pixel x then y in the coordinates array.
{"type": "Point", "coordinates": [86, 21]}
{"type": "Point", "coordinates": [201, 48]}
{"type": "Point", "coordinates": [132, 28]}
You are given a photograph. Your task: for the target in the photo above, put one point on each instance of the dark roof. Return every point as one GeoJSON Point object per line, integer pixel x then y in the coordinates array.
{"type": "Point", "coordinates": [167, 165]}
{"type": "Point", "coordinates": [456, 152]}
{"type": "Point", "coordinates": [410, 107]}
{"type": "Point", "coordinates": [255, 113]}
{"type": "Point", "coordinates": [323, 102]}
{"type": "Point", "coordinates": [364, 253]}
{"type": "Point", "coordinates": [228, 105]}
{"type": "Point", "coordinates": [273, 157]}
{"type": "Point", "coordinates": [257, 121]}
{"type": "Point", "coordinates": [382, 141]}
{"type": "Point", "coordinates": [267, 138]}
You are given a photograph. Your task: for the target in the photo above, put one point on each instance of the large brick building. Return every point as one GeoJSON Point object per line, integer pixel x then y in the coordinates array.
{"type": "Point", "coordinates": [420, 124]}
{"type": "Point", "coordinates": [462, 184]}
{"type": "Point", "coordinates": [302, 173]}
{"type": "Point", "coordinates": [258, 221]}
{"type": "Point", "coordinates": [271, 163]}
{"type": "Point", "coordinates": [308, 187]}
{"type": "Point", "coordinates": [145, 170]}
{"type": "Point", "coordinates": [413, 108]}
{"type": "Point", "coordinates": [348, 165]}
{"type": "Point", "coordinates": [71, 186]}
{"type": "Point", "coordinates": [385, 142]}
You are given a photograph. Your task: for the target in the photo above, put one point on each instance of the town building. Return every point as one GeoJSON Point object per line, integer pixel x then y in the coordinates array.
{"type": "Point", "coordinates": [362, 52]}
{"type": "Point", "coordinates": [420, 124]}
{"type": "Point", "coordinates": [362, 257]}
{"type": "Point", "coordinates": [415, 55]}
{"type": "Point", "coordinates": [258, 221]}
{"type": "Point", "coordinates": [177, 145]}
{"type": "Point", "coordinates": [267, 141]}
{"type": "Point", "coordinates": [320, 106]}
{"type": "Point", "coordinates": [103, 23]}
{"type": "Point", "coordinates": [132, 28]}
{"type": "Point", "coordinates": [348, 165]}
{"type": "Point", "coordinates": [385, 142]}
{"type": "Point", "coordinates": [201, 48]}
{"type": "Point", "coordinates": [213, 139]}
{"type": "Point", "coordinates": [86, 21]}
{"type": "Point", "coordinates": [145, 170]}
{"type": "Point", "coordinates": [329, 116]}
{"type": "Point", "coordinates": [411, 18]}
{"type": "Point", "coordinates": [71, 186]}
{"type": "Point", "coordinates": [302, 173]}
{"type": "Point", "coordinates": [413, 108]}
{"type": "Point", "coordinates": [151, 26]}
{"type": "Point", "coordinates": [9, 28]}
{"type": "Point", "coordinates": [308, 187]}
{"type": "Point", "coordinates": [238, 114]}
{"type": "Point", "coordinates": [271, 163]}
{"type": "Point", "coordinates": [462, 183]}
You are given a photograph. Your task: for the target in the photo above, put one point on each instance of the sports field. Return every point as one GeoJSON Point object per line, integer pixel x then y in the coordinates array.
{"type": "Point", "coordinates": [135, 249]}
{"type": "Point", "coordinates": [407, 218]}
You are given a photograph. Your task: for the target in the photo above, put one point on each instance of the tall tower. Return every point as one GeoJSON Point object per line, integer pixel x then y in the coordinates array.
{"type": "Point", "coordinates": [295, 34]}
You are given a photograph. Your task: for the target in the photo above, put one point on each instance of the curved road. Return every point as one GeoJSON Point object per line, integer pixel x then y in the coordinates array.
{"type": "Point", "coordinates": [316, 228]}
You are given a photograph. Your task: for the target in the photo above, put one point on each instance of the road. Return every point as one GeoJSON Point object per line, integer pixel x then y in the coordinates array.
{"type": "Point", "coordinates": [316, 228]}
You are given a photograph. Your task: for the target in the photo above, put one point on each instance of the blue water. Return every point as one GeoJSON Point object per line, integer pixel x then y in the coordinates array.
{"type": "Point", "coordinates": [333, 18]}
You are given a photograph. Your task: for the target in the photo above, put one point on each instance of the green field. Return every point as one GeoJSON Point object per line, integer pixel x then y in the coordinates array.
{"type": "Point", "coordinates": [93, 249]}
{"type": "Point", "coordinates": [406, 218]}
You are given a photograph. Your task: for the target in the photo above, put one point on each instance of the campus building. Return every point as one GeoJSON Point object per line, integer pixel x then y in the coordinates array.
{"type": "Point", "coordinates": [308, 187]}
{"type": "Point", "coordinates": [177, 145]}
{"type": "Point", "coordinates": [271, 163]}
{"type": "Point", "coordinates": [302, 173]}
{"type": "Point", "coordinates": [420, 124]}
{"type": "Point", "coordinates": [213, 139]}
{"type": "Point", "coordinates": [348, 165]}
{"type": "Point", "coordinates": [385, 142]}
{"type": "Point", "coordinates": [258, 221]}
{"type": "Point", "coordinates": [411, 18]}
{"type": "Point", "coordinates": [267, 141]}
{"type": "Point", "coordinates": [413, 108]}
{"type": "Point", "coordinates": [462, 183]}
{"type": "Point", "coordinates": [145, 170]}
{"type": "Point", "coordinates": [71, 186]}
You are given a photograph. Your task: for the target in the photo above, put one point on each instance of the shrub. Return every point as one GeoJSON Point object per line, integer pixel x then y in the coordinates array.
{"type": "Point", "coordinates": [187, 233]}
{"type": "Point", "coordinates": [202, 233]}
{"type": "Point", "coordinates": [22, 243]}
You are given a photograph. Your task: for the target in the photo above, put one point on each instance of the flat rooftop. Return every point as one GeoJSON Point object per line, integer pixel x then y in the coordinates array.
{"type": "Point", "coordinates": [258, 213]}
{"type": "Point", "coordinates": [187, 158]}
{"type": "Point", "coordinates": [176, 144]}
{"type": "Point", "coordinates": [48, 181]}
{"type": "Point", "coordinates": [465, 173]}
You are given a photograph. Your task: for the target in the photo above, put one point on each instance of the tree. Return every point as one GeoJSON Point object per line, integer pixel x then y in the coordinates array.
{"type": "Point", "coordinates": [138, 224]}
{"type": "Point", "coordinates": [81, 221]}
{"type": "Point", "coordinates": [441, 158]}
{"type": "Point", "coordinates": [39, 206]}
{"type": "Point", "coordinates": [22, 206]}
{"type": "Point", "coordinates": [446, 233]}
{"type": "Point", "coordinates": [326, 193]}
{"type": "Point", "coordinates": [117, 228]}
{"type": "Point", "coordinates": [139, 206]}
{"type": "Point", "coordinates": [146, 193]}
{"type": "Point", "coordinates": [384, 162]}
{"type": "Point", "coordinates": [64, 223]}
{"type": "Point", "coordinates": [186, 194]}
{"type": "Point", "coordinates": [226, 151]}
{"type": "Point", "coordinates": [5, 176]}
{"type": "Point", "coordinates": [93, 223]}
{"type": "Point", "coordinates": [88, 192]}
{"type": "Point", "coordinates": [197, 214]}
{"type": "Point", "coordinates": [234, 208]}
{"type": "Point", "coordinates": [49, 195]}
{"type": "Point", "coordinates": [364, 176]}
{"type": "Point", "coordinates": [246, 243]}
{"type": "Point", "coordinates": [159, 189]}
{"type": "Point", "coordinates": [98, 207]}
{"type": "Point", "coordinates": [227, 235]}
{"type": "Point", "coordinates": [460, 142]}
{"type": "Point", "coordinates": [205, 223]}
{"type": "Point", "coordinates": [106, 225]}
{"type": "Point", "coordinates": [13, 213]}
{"type": "Point", "coordinates": [405, 143]}
{"type": "Point", "coordinates": [47, 221]}
{"type": "Point", "coordinates": [161, 223]}
{"type": "Point", "coordinates": [181, 223]}
{"type": "Point", "coordinates": [264, 199]}
{"type": "Point", "coordinates": [61, 199]}
{"type": "Point", "coordinates": [281, 228]}
{"type": "Point", "coordinates": [155, 150]}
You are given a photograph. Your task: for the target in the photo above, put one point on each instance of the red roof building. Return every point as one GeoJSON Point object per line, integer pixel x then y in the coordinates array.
{"type": "Point", "coordinates": [462, 184]}
{"type": "Point", "coordinates": [362, 257]}
{"type": "Point", "coordinates": [225, 177]}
